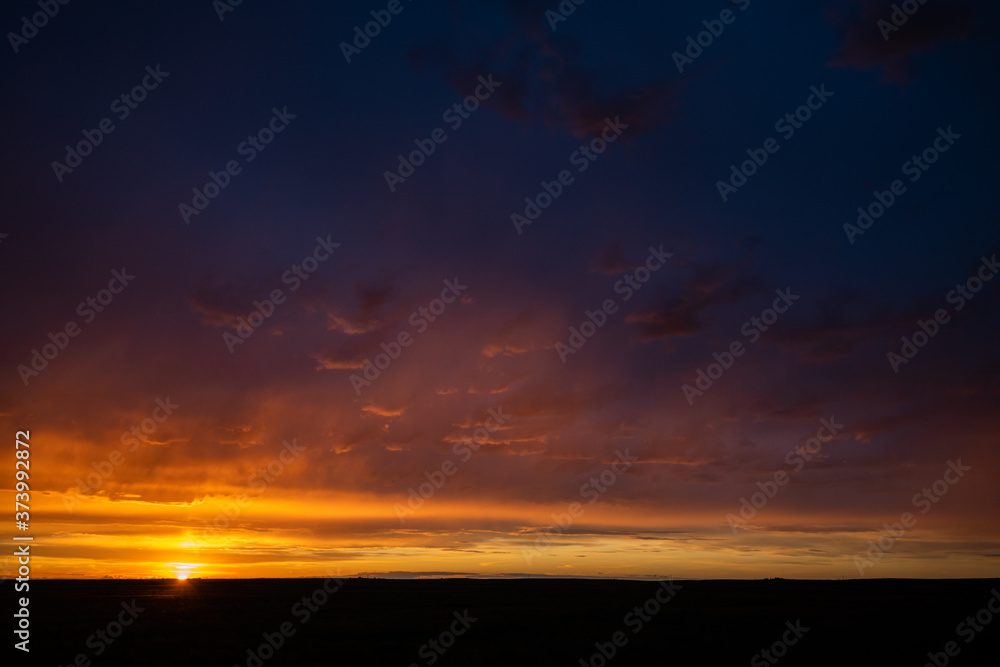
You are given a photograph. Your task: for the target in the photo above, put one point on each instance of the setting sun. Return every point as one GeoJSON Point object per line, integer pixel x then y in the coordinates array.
{"type": "Point", "coordinates": [181, 571]}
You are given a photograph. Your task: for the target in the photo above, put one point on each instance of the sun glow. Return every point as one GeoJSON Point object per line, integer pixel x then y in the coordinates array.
{"type": "Point", "coordinates": [182, 570]}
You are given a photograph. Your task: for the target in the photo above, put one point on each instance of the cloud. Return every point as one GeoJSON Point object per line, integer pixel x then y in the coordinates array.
{"type": "Point", "coordinates": [341, 357]}
{"type": "Point", "coordinates": [613, 260]}
{"type": "Point", "coordinates": [539, 71]}
{"type": "Point", "coordinates": [218, 305]}
{"type": "Point", "coordinates": [383, 412]}
{"type": "Point", "coordinates": [869, 38]}
{"type": "Point", "coordinates": [710, 285]}
{"type": "Point", "coordinates": [840, 323]}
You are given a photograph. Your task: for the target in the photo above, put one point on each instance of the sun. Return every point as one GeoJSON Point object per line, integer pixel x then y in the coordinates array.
{"type": "Point", "coordinates": [182, 571]}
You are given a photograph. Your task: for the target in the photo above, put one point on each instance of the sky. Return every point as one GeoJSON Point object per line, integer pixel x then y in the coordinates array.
{"type": "Point", "coordinates": [637, 290]}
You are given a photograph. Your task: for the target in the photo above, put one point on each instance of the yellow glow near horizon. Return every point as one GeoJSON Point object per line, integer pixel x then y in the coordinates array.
{"type": "Point", "coordinates": [304, 535]}
{"type": "Point", "coordinates": [183, 570]}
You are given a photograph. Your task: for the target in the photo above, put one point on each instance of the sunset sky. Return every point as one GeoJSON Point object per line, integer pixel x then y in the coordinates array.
{"type": "Point", "coordinates": [163, 412]}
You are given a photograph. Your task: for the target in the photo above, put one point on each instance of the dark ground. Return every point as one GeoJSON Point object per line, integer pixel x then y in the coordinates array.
{"type": "Point", "coordinates": [518, 622]}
